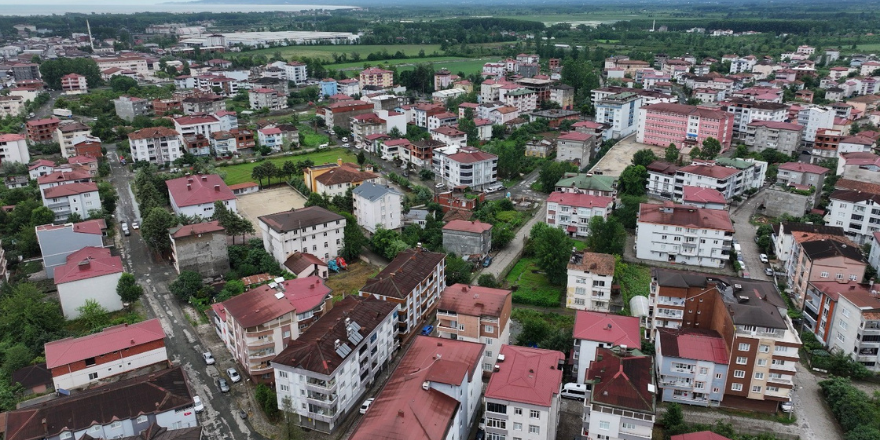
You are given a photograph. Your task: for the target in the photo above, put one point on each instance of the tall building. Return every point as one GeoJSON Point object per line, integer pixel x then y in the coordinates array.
{"type": "Point", "coordinates": [313, 230]}
{"type": "Point", "coordinates": [853, 208]}
{"type": "Point", "coordinates": [13, 148]}
{"type": "Point", "coordinates": [589, 281]}
{"type": "Point", "coordinates": [158, 145]}
{"type": "Point", "coordinates": [620, 112]}
{"type": "Point", "coordinates": [621, 405]}
{"type": "Point", "coordinates": [476, 314]}
{"type": "Point", "coordinates": [683, 234]}
{"type": "Point", "coordinates": [683, 125]}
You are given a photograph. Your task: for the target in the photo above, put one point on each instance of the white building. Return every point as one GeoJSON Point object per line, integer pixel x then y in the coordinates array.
{"type": "Point", "coordinates": [377, 206]}
{"type": "Point", "coordinates": [572, 211]}
{"type": "Point", "coordinates": [575, 147]}
{"type": "Point", "coordinates": [13, 148]}
{"type": "Point", "coordinates": [745, 112]}
{"type": "Point", "coordinates": [815, 118]}
{"type": "Point", "coordinates": [67, 132]}
{"type": "Point", "coordinates": [730, 177]}
{"type": "Point", "coordinates": [682, 234]}
{"type": "Point", "coordinates": [466, 166]}
{"type": "Point", "coordinates": [158, 145]}
{"type": "Point", "coordinates": [593, 330]}
{"type": "Point", "coordinates": [73, 198]}
{"type": "Point", "coordinates": [313, 230]}
{"type": "Point", "coordinates": [853, 208]}
{"type": "Point", "coordinates": [90, 274]}
{"type": "Point", "coordinates": [620, 112]}
{"type": "Point", "coordinates": [589, 281]}
{"type": "Point", "coordinates": [323, 374]}
{"type": "Point", "coordinates": [195, 195]}
{"type": "Point", "coordinates": [617, 415]}
{"type": "Point", "coordinates": [261, 98]}
{"type": "Point", "coordinates": [520, 407]}
{"type": "Point", "coordinates": [856, 325]}
{"type": "Point", "coordinates": [197, 124]}
{"type": "Point", "coordinates": [296, 71]}
{"type": "Point", "coordinates": [449, 136]}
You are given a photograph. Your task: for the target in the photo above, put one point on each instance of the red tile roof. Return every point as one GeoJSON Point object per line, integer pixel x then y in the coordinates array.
{"type": "Point", "coordinates": [79, 160]}
{"type": "Point", "coordinates": [803, 167]}
{"type": "Point", "coordinates": [243, 185]}
{"type": "Point", "coordinates": [526, 375]}
{"type": "Point", "coordinates": [714, 171]}
{"type": "Point", "coordinates": [204, 188]}
{"type": "Point", "coordinates": [64, 176]}
{"type": "Point", "coordinates": [702, 195]}
{"type": "Point", "coordinates": [347, 173]}
{"type": "Point", "coordinates": [448, 131]}
{"type": "Point", "coordinates": [300, 261]}
{"type": "Point", "coordinates": [474, 226]}
{"type": "Point", "coordinates": [47, 121]}
{"type": "Point", "coordinates": [41, 163]}
{"type": "Point", "coordinates": [260, 305]}
{"type": "Point", "coordinates": [194, 120]}
{"type": "Point", "coordinates": [687, 110]}
{"type": "Point", "coordinates": [405, 411]}
{"type": "Point", "coordinates": [575, 136]}
{"type": "Point", "coordinates": [88, 262]}
{"type": "Point", "coordinates": [687, 216]}
{"type": "Point", "coordinates": [474, 300]}
{"type": "Point", "coordinates": [622, 380]}
{"type": "Point", "coordinates": [777, 125]}
{"type": "Point", "coordinates": [71, 189]}
{"type": "Point", "coordinates": [472, 156]}
{"type": "Point", "coordinates": [607, 327]}
{"type": "Point", "coordinates": [579, 200]}
{"type": "Point", "coordinates": [95, 227]}
{"type": "Point", "coordinates": [272, 130]}
{"type": "Point", "coordinates": [197, 229]}
{"type": "Point", "coordinates": [154, 132]}
{"type": "Point", "coordinates": [111, 339]}
{"type": "Point", "coordinates": [696, 344]}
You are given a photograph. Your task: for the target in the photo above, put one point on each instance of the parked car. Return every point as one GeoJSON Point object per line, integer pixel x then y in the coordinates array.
{"type": "Point", "coordinates": [764, 258]}
{"type": "Point", "coordinates": [197, 404]}
{"type": "Point", "coordinates": [124, 227]}
{"type": "Point", "coordinates": [439, 185]}
{"type": "Point", "coordinates": [768, 271]}
{"type": "Point", "coordinates": [223, 385]}
{"type": "Point", "coordinates": [233, 375]}
{"type": "Point", "coordinates": [787, 406]}
{"type": "Point", "coordinates": [135, 225]}
{"type": "Point", "coordinates": [487, 261]}
{"type": "Point", "coordinates": [367, 404]}
{"type": "Point", "coordinates": [427, 330]}
{"type": "Point", "coordinates": [209, 358]}
{"type": "Point", "coordinates": [243, 414]}
{"type": "Point", "coordinates": [345, 139]}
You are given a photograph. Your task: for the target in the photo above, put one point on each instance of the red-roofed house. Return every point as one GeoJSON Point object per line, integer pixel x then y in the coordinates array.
{"type": "Point", "coordinates": [666, 233]}
{"type": "Point", "coordinates": [433, 394]}
{"type": "Point", "coordinates": [90, 273]}
{"type": "Point", "coordinates": [88, 360]}
{"type": "Point", "coordinates": [449, 136]}
{"type": "Point", "coordinates": [467, 237]}
{"type": "Point", "coordinates": [74, 84]}
{"type": "Point", "coordinates": [708, 198]}
{"type": "Point", "coordinates": [466, 166]}
{"type": "Point", "coordinates": [594, 330]}
{"type": "Point", "coordinates": [73, 198]}
{"type": "Point", "coordinates": [13, 148]}
{"type": "Point", "coordinates": [692, 364]}
{"type": "Point", "coordinates": [41, 167]}
{"type": "Point", "coordinates": [575, 147]}
{"type": "Point", "coordinates": [195, 195]}
{"type": "Point", "coordinates": [201, 248]}
{"type": "Point", "coordinates": [528, 378]}
{"type": "Point", "coordinates": [304, 264]}
{"type": "Point", "coordinates": [622, 400]}
{"type": "Point", "coordinates": [573, 211]}
{"type": "Point", "coordinates": [476, 314]}
{"type": "Point", "coordinates": [42, 130]}
{"type": "Point", "coordinates": [377, 77]}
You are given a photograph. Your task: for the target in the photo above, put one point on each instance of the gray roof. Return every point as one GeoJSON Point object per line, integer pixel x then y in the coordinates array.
{"type": "Point", "coordinates": [373, 192]}
{"type": "Point", "coordinates": [416, 214]}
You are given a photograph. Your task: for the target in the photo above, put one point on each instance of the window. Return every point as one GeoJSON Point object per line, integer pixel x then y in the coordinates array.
{"type": "Point", "coordinates": [93, 376]}
{"type": "Point", "coordinates": [494, 436]}
{"type": "Point", "coordinates": [606, 425]}
{"type": "Point", "coordinates": [496, 423]}
{"type": "Point", "coordinates": [741, 360]}
{"type": "Point", "coordinates": [759, 376]}
{"type": "Point", "coordinates": [744, 347]}
{"type": "Point", "coordinates": [496, 408]}
{"type": "Point", "coordinates": [736, 387]}
{"type": "Point", "coordinates": [534, 414]}
{"type": "Point", "coordinates": [824, 274]}
{"type": "Point", "coordinates": [762, 362]}
{"type": "Point", "coordinates": [487, 367]}
{"type": "Point", "coordinates": [488, 354]}
{"type": "Point", "coordinates": [534, 429]}
{"type": "Point", "coordinates": [142, 419]}
{"type": "Point", "coordinates": [739, 374]}
{"type": "Point", "coordinates": [756, 389]}
{"type": "Point", "coordinates": [284, 388]}
{"type": "Point", "coordinates": [764, 348]}
{"type": "Point", "coordinates": [66, 435]}
{"type": "Point", "coordinates": [517, 426]}
{"type": "Point", "coordinates": [95, 428]}
{"type": "Point", "coordinates": [718, 375]}
{"type": "Point", "coordinates": [716, 390]}
{"type": "Point", "coordinates": [517, 411]}
{"type": "Point", "coordinates": [488, 329]}
{"type": "Point", "coordinates": [90, 362]}
{"type": "Point", "coordinates": [487, 341]}
{"type": "Point", "coordinates": [626, 425]}
{"type": "Point", "coordinates": [115, 425]}
{"type": "Point", "coordinates": [704, 370]}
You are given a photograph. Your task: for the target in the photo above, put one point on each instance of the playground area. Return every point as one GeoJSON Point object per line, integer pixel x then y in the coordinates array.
{"type": "Point", "coordinates": [268, 201]}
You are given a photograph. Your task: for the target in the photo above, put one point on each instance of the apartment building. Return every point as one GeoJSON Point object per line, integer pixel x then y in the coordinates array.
{"type": "Point", "coordinates": [129, 107]}
{"type": "Point", "coordinates": [42, 130]}
{"type": "Point", "coordinates": [588, 183]}
{"type": "Point", "coordinates": [11, 105]}
{"type": "Point", "coordinates": [340, 113]}
{"type": "Point", "coordinates": [853, 208]}
{"type": "Point", "coordinates": [856, 323]}
{"type": "Point", "coordinates": [312, 230]}
{"type": "Point", "coordinates": [821, 258]}
{"type": "Point", "coordinates": [594, 330]}
{"type": "Point", "coordinates": [621, 405]}
{"type": "Point", "coordinates": [376, 77]}
{"type": "Point", "coordinates": [785, 233]}
{"type": "Point", "coordinates": [467, 238]}
{"type": "Point", "coordinates": [195, 195]}
{"type": "Point", "coordinates": [683, 125]}
{"type": "Point", "coordinates": [322, 375]}
{"type": "Point", "coordinates": [197, 125]}
{"type": "Point", "coordinates": [683, 234]}
{"type": "Point", "coordinates": [730, 177]}
{"type": "Point", "coordinates": [706, 198]}
{"type": "Point", "coordinates": [14, 148]}
{"type": "Point", "coordinates": [258, 324]}
{"type": "Point", "coordinates": [620, 112]}
{"type": "Point", "coordinates": [449, 136]}
{"type": "Point", "coordinates": [158, 145]}
{"type": "Point", "coordinates": [296, 71]}
{"type": "Point", "coordinates": [260, 98]}
{"type": "Point", "coordinates": [575, 147]}
{"type": "Point", "coordinates": [64, 176]}
{"type": "Point", "coordinates": [746, 112]}
{"type": "Point", "coordinates": [813, 119]}
{"type": "Point", "coordinates": [68, 131]}
{"type": "Point", "coordinates": [525, 387]}
{"type": "Point", "coordinates": [205, 103]}
{"type": "Point", "coordinates": [691, 366]}
{"type": "Point", "coordinates": [802, 176]}
{"type": "Point", "coordinates": [573, 211]}
{"type": "Point", "coordinates": [589, 281]}
{"type": "Point", "coordinates": [476, 314]}
{"type": "Point", "coordinates": [434, 393]}
{"type": "Point", "coordinates": [413, 280]}
{"type": "Point", "coordinates": [365, 125]}
{"type": "Point", "coordinates": [74, 84]}
{"type": "Point", "coordinates": [74, 198]}
{"type": "Point", "coordinates": [377, 206]}
{"type": "Point", "coordinates": [783, 137]}
{"type": "Point", "coordinates": [466, 166]}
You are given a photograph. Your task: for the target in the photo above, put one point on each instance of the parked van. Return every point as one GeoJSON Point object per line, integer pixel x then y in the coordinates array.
{"type": "Point", "coordinates": [577, 391]}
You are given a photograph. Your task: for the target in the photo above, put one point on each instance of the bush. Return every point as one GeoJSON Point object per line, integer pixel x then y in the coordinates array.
{"type": "Point", "coordinates": [268, 401]}
{"type": "Point", "coordinates": [487, 280]}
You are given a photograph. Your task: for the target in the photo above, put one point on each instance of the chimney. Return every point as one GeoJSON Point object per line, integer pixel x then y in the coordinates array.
{"type": "Point", "coordinates": [217, 188]}
{"type": "Point", "coordinates": [204, 178]}
{"type": "Point", "coordinates": [132, 342]}
{"type": "Point", "coordinates": [189, 187]}
{"type": "Point", "coordinates": [339, 161]}
{"type": "Point", "coordinates": [85, 264]}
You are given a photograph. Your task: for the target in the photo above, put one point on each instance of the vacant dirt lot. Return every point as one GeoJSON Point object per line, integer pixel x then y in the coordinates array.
{"type": "Point", "coordinates": [348, 282]}
{"type": "Point", "coordinates": [268, 201]}
{"type": "Point", "coordinates": [620, 156]}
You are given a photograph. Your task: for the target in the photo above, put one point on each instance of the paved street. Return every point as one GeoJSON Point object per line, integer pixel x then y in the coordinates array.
{"type": "Point", "coordinates": [183, 342]}
{"type": "Point", "coordinates": [745, 235]}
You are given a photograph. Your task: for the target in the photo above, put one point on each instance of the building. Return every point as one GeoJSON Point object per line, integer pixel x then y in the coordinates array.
{"type": "Point", "coordinates": [13, 148]}
{"type": "Point", "coordinates": [296, 71]}
{"type": "Point", "coordinates": [33, 379]}
{"type": "Point", "coordinates": [74, 198]}
{"type": "Point", "coordinates": [258, 324]}
{"type": "Point", "coordinates": [278, 138]}
{"type": "Point", "coordinates": [434, 393]}
{"type": "Point", "coordinates": [413, 280]}
{"type": "Point", "coordinates": [89, 360]}
{"type": "Point", "coordinates": [158, 145]}
{"type": "Point", "coordinates": [853, 208]}
{"type": "Point", "coordinates": [113, 411]}
{"type": "Point", "coordinates": [73, 84]}
{"type": "Point", "coordinates": [594, 330]}
{"type": "Point", "coordinates": [620, 112]}
{"type": "Point", "coordinates": [449, 136]}
{"type": "Point", "coordinates": [340, 113]}
{"type": "Point", "coordinates": [856, 323]}
{"type": "Point", "coordinates": [195, 195]}
{"type": "Point", "coordinates": [67, 132]}
{"type": "Point", "coordinates": [683, 125]}
{"type": "Point", "coordinates": [201, 248]}
{"type": "Point", "coordinates": [42, 130]}
{"type": "Point", "coordinates": [90, 273]}
{"type": "Point", "coordinates": [271, 99]}
{"type": "Point", "coordinates": [746, 112]}
{"type": "Point", "coordinates": [683, 234]}
{"type": "Point", "coordinates": [588, 183]}
{"type": "Point", "coordinates": [785, 233]}
{"type": "Point", "coordinates": [575, 147]}
{"type": "Point", "coordinates": [322, 375]}
{"type": "Point", "coordinates": [691, 366]}
{"type": "Point", "coordinates": [783, 137]}
{"type": "Point", "coordinates": [64, 176]}
{"type": "Point", "coordinates": [813, 119]}
{"type": "Point", "coordinates": [802, 176]}
{"type": "Point", "coordinates": [130, 107]}
{"type": "Point", "coordinates": [816, 259]}
{"type": "Point", "coordinates": [467, 238]}
{"type": "Point", "coordinates": [59, 241]}
{"type": "Point", "coordinates": [376, 77]}
{"type": "Point", "coordinates": [542, 148]}
{"type": "Point", "coordinates": [708, 198]}
{"type": "Point", "coordinates": [364, 125]}
{"type": "Point", "coordinates": [466, 166]}
{"type": "Point", "coordinates": [313, 229]}
{"type": "Point", "coordinates": [206, 103]}
{"type": "Point", "coordinates": [336, 179]}
{"type": "Point", "coordinates": [87, 146]}
{"type": "Point", "coordinates": [525, 387]}
{"type": "Point", "coordinates": [25, 71]}
{"type": "Point", "coordinates": [377, 206]}
{"type": "Point", "coordinates": [304, 264]}
{"type": "Point", "coordinates": [197, 125]}
{"type": "Point", "coordinates": [11, 105]}
{"type": "Point", "coordinates": [621, 404]}
{"type": "Point", "coordinates": [563, 95]}
{"type": "Point", "coordinates": [731, 177]}
{"type": "Point", "coordinates": [589, 281]}
{"type": "Point", "coordinates": [476, 314]}
{"type": "Point", "coordinates": [573, 211]}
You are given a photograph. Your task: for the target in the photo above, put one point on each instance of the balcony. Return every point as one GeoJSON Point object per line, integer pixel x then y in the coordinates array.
{"type": "Point", "coordinates": [676, 384]}
{"type": "Point", "coordinates": [324, 400]}
{"type": "Point", "coordinates": [780, 380]}
{"type": "Point", "coordinates": [321, 386]}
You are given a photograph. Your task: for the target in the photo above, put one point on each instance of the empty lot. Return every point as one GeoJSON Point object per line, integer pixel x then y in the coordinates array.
{"type": "Point", "coordinates": [268, 201]}
{"type": "Point", "coordinates": [620, 156]}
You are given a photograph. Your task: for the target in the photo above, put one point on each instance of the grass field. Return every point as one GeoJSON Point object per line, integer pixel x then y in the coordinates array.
{"type": "Point", "coordinates": [463, 65]}
{"type": "Point", "coordinates": [326, 51]}
{"type": "Point", "coordinates": [242, 172]}
{"type": "Point", "coordinates": [348, 282]}
{"type": "Point", "coordinates": [532, 286]}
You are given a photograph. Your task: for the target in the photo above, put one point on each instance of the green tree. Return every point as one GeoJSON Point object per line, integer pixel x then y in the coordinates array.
{"type": "Point", "coordinates": [644, 157]}
{"type": "Point", "coordinates": [29, 317]}
{"type": "Point", "coordinates": [633, 181]}
{"type": "Point", "coordinates": [741, 151]}
{"type": "Point", "coordinates": [361, 158]}
{"type": "Point", "coordinates": [155, 229]}
{"type": "Point", "coordinates": [711, 148]}
{"type": "Point", "coordinates": [552, 248]}
{"type": "Point", "coordinates": [231, 289]}
{"type": "Point", "coordinates": [606, 236]}
{"type": "Point", "coordinates": [671, 154]}
{"type": "Point", "coordinates": [93, 315]}
{"type": "Point", "coordinates": [673, 419]}
{"type": "Point", "coordinates": [187, 284]}
{"type": "Point", "coordinates": [695, 153]}
{"type": "Point", "coordinates": [551, 172]}
{"type": "Point", "coordinates": [458, 270]}
{"type": "Point", "coordinates": [387, 243]}
{"type": "Point", "coordinates": [128, 289]}
{"type": "Point", "coordinates": [502, 235]}
{"type": "Point", "coordinates": [487, 280]}
{"type": "Point", "coordinates": [42, 216]}
{"type": "Point", "coordinates": [353, 240]}
{"type": "Point", "coordinates": [15, 357]}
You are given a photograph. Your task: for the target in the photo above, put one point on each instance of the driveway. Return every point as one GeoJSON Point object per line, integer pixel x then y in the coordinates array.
{"type": "Point", "coordinates": [512, 252]}
{"type": "Point", "coordinates": [744, 233]}
{"type": "Point", "coordinates": [814, 417]}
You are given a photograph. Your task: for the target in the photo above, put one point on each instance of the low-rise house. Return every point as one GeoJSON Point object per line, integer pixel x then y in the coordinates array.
{"type": "Point", "coordinates": [201, 248]}
{"type": "Point", "coordinates": [575, 147]}
{"type": "Point", "coordinates": [338, 180]}
{"type": "Point", "coordinates": [312, 229]}
{"type": "Point", "coordinates": [589, 281]}
{"type": "Point", "coordinates": [64, 176]}
{"type": "Point", "coordinates": [691, 366]}
{"type": "Point", "coordinates": [34, 379]}
{"type": "Point", "coordinates": [195, 195]}
{"type": "Point", "coordinates": [589, 183]}
{"type": "Point", "coordinates": [377, 206]}
{"type": "Point", "coordinates": [41, 167]}
{"type": "Point", "coordinates": [540, 148]}
{"type": "Point", "coordinates": [526, 383]}
{"type": "Point", "coordinates": [804, 177]}
{"type": "Point", "coordinates": [89, 146]}
{"type": "Point", "coordinates": [113, 411]}
{"type": "Point", "coordinates": [304, 264]}
{"type": "Point", "coordinates": [572, 212]}
{"type": "Point", "coordinates": [449, 136]}
{"type": "Point", "coordinates": [706, 198]}
{"type": "Point", "coordinates": [59, 241]}
{"type": "Point", "coordinates": [476, 314]}
{"type": "Point", "coordinates": [434, 393]}
{"type": "Point", "coordinates": [258, 324]}
{"type": "Point", "coordinates": [90, 273]}
{"type": "Point", "coordinates": [413, 280]}
{"type": "Point", "coordinates": [322, 375]}
{"type": "Point", "coordinates": [74, 198]}
{"type": "Point", "coordinates": [683, 234]}
{"type": "Point", "coordinates": [90, 360]}
{"type": "Point", "coordinates": [621, 405]}
{"type": "Point", "coordinates": [594, 330]}
{"type": "Point", "coordinates": [467, 238]}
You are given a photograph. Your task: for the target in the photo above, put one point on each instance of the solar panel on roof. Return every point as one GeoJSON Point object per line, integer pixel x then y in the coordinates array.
{"type": "Point", "coordinates": [343, 350]}
{"type": "Point", "coordinates": [355, 337]}
{"type": "Point", "coordinates": [354, 326]}
{"type": "Point", "coordinates": [279, 280]}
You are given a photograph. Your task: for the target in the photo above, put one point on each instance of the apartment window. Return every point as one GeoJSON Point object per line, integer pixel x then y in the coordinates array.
{"type": "Point", "coordinates": [487, 341]}
{"type": "Point", "coordinates": [736, 387]}
{"type": "Point", "coordinates": [739, 374]}
{"type": "Point", "coordinates": [95, 428]}
{"type": "Point", "coordinates": [533, 414]}
{"type": "Point", "coordinates": [626, 425]}
{"type": "Point", "coordinates": [741, 360]}
{"type": "Point", "coordinates": [839, 336]}
{"type": "Point", "coordinates": [496, 408]}
{"type": "Point", "coordinates": [704, 370]}
{"type": "Point", "coordinates": [66, 435]}
{"type": "Point", "coordinates": [488, 328]}
{"type": "Point", "coordinates": [824, 275]}
{"type": "Point", "coordinates": [579, 302]}
{"type": "Point", "coordinates": [716, 390]}
{"type": "Point", "coordinates": [606, 425]}
{"type": "Point", "coordinates": [843, 325]}
{"type": "Point", "coordinates": [762, 362]}
{"type": "Point", "coordinates": [494, 436]}
{"type": "Point", "coordinates": [93, 376]}
{"type": "Point", "coordinates": [759, 376]}
{"type": "Point", "coordinates": [282, 374]}
{"type": "Point", "coordinates": [534, 429]}
{"type": "Point", "coordinates": [744, 347]}
{"type": "Point", "coordinates": [284, 388]}
{"type": "Point", "coordinates": [718, 375]}
{"type": "Point", "coordinates": [488, 354]}
{"type": "Point", "coordinates": [517, 426]}
{"type": "Point", "coordinates": [141, 419]}
{"type": "Point", "coordinates": [764, 348]}
{"type": "Point", "coordinates": [496, 423]}
{"type": "Point", "coordinates": [517, 411]}
{"type": "Point", "coordinates": [756, 389]}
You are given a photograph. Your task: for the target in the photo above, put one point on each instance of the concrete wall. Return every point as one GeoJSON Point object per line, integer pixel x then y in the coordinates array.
{"type": "Point", "coordinates": [205, 254]}
{"type": "Point", "coordinates": [102, 289]}
{"type": "Point", "coordinates": [467, 243]}
{"type": "Point", "coordinates": [777, 202]}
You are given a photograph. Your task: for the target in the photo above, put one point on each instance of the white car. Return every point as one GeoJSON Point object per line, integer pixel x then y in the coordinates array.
{"type": "Point", "coordinates": [197, 404]}
{"type": "Point", "coordinates": [439, 185]}
{"type": "Point", "coordinates": [787, 406]}
{"type": "Point", "coordinates": [764, 258]}
{"type": "Point", "coordinates": [209, 358]}
{"type": "Point", "coordinates": [233, 375]}
{"type": "Point", "coordinates": [345, 139]}
{"type": "Point", "coordinates": [366, 405]}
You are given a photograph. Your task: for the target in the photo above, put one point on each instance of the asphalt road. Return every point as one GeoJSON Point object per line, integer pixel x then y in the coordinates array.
{"type": "Point", "coordinates": [220, 419]}
{"type": "Point", "coordinates": [744, 232]}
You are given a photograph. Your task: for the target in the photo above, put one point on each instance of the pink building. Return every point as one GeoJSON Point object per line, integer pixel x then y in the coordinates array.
{"type": "Point", "coordinates": [683, 125]}
{"type": "Point", "coordinates": [74, 84]}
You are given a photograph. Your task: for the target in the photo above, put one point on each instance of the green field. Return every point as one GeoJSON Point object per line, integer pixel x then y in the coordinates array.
{"type": "Point", "coordinates": [532, 286]}
{"type": "Point", "coordinates": [325, 51]}
{"type": "Point", "coordinates": [242, 172]}
{"type": "Point", "coordinates": [463, 65]}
